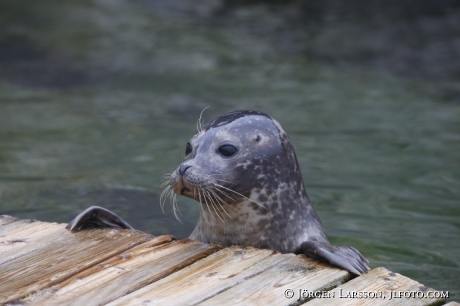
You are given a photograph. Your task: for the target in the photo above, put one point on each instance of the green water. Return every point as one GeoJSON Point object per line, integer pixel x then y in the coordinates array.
{"type": "Point", "coordinates": [98, 99]}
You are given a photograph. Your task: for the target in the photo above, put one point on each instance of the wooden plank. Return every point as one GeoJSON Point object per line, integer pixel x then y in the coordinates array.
{"type": "Point", "coordinates": [5, 219]}
{"type": "Point", "coordinates": [44, 264]}
{"type": "Point", "coordinates": [271, 286]}
{"type": "Point", "coordinates": [205, 278]}
{"type": "Point", "coordinates": [124, 273]}
{"type": "Point", "coordinates": [378, 281]}
{"type": "Point", "coordinates": [63, 257]}
{"type": "Point", "coordinates": [23, 238]}
{"type": "Point", "coordinates": [10, 227]}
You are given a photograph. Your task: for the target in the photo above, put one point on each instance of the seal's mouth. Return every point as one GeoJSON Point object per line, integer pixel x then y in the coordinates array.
{"type": "Point", "coordinates": [184, 190]}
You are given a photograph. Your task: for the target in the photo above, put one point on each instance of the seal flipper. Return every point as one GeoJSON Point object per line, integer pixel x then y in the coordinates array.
{"type": "Point", "coordinates": [97, 217]}
{"type": "Point", "coordinates": [345, 257]}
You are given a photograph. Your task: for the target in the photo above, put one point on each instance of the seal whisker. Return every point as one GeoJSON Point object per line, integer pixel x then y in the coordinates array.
{"type": "Point", "coordinates": [176, 201]}
{"type": "Point", "coordinates": [199, 124]}
{"type": "Point", "coordinates": [222, 192]}
{"type": "Point", "coordinates": [226, 194]}
{"type": "Point", "coordinates": [219, 201]}
{"type": "Point", "coordinates": [164, 183]}
{"type": "Point", "coordinates": [216, 196]}
{"type": "Point", "coordinates": [220, 186]}
{"type": "Point", "coordinates": [164, 195]}
{"type": "Point", "coordinates": [167, 176]}
{"type": "Point", "coordinates": [206, 203]}
{"type": "Point", "coordinates": [175, 208]}
{"type": "Point", "coordinates": [221, 180]}
{"type": "Point", "coordinates": [194, 197]}
{"type": "Point", "coordinates": [213, 205]}
{"type": "Point", "coordinates": [207, 207]}
{"type": "Point", "coordinates": [212, 174]}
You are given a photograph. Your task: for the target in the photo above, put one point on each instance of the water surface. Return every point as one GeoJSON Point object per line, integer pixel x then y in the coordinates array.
{"type": "Point", "coordinates": [98, 99]}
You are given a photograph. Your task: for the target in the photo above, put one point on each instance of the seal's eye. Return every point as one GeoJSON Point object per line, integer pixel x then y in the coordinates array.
{"type": "Point", "coordinates": [227, 150]}
{"type": "Point", "coordinates": [188, 148]}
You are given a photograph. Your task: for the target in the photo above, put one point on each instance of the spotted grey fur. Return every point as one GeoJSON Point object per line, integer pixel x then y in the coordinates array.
{"type": "Point", "coordinates": [256, 197]}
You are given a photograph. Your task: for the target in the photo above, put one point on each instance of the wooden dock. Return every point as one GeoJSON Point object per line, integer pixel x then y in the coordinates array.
{"type": "Point", "coordinates": [44, 264]}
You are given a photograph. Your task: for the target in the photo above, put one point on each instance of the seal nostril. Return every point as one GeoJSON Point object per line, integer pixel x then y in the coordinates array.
{"type": "Point", "coordinates": [183, 168]}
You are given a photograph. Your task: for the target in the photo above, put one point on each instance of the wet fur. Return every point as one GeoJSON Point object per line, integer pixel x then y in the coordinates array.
{"type": "Point", "coordinates": [255, 197]}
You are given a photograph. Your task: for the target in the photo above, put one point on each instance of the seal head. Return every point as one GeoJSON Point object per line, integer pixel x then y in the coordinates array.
{"type": "Point", "coordinates": [243, 169]}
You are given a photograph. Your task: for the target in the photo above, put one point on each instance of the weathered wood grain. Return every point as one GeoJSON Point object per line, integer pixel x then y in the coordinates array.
{"type": "Point", "coordinates": [44, 264]}
{"type": "Point", "coordinates": [12, 225]}
{"type": "Point", "coordinates": [378, 280]}
{"type": "Point", "coordinates": [24, 237]}
{"type": "Point", "coordinates": [291, 273]}
{"type": "Point", "coordinates": [125, 272]}
{"type": "Point", "coordinates": [52, 262]}
{"type": "Point", "coordinates": [5, 219]}
{"type": "Point", "coordinates": [206, 278]}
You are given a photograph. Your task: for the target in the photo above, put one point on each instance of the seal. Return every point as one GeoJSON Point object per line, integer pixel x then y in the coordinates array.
{"type": "Point", "coordinates": [242, 168]}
